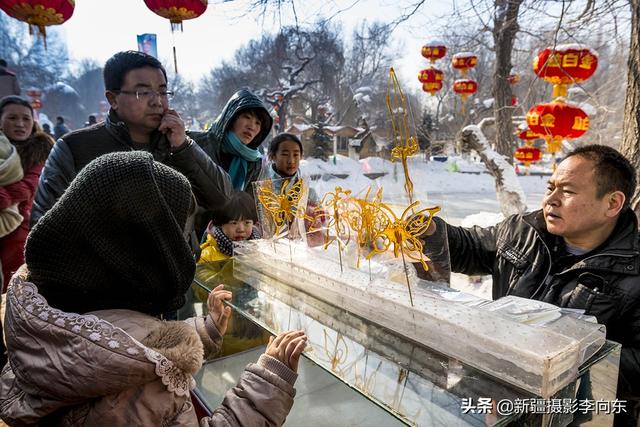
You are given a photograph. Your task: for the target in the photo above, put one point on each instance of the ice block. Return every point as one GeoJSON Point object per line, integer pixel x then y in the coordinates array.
{"type": "Point", "coordinates": [537, 360]}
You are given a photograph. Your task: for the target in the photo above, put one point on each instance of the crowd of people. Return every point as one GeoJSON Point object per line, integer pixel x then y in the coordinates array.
{"type": "Point", "coordinates": [103, 230]}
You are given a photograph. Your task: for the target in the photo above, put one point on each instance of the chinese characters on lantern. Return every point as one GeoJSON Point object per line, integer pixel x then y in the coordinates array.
{"type": "Point", "coordinates": [561, 65]}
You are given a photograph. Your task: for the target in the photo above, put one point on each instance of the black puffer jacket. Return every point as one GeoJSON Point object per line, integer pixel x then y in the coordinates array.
{"type": "Point", "coordinates": [520, 254]}
{"type": "Point", "coordinates": [211, 141]}
{"type": "Point", "coordinates": [210, 183]}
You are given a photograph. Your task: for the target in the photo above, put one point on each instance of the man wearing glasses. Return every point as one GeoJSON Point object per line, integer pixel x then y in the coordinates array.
{"type": "Point", "coordinates": [139, 119]}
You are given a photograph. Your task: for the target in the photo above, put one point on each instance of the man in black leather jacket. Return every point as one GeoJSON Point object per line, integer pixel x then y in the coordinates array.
{"type": "Point", "coordinates": [139, 119]}
{"type": "Point", "coordinates": [580, 251]}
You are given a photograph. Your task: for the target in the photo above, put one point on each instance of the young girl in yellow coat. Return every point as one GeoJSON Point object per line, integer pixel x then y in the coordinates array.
{"type": "Point", "coordinates": [234, 222]}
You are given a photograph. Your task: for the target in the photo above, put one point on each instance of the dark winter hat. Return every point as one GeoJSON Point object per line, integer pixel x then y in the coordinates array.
{"type": "Point", "coordinates": [115, 239]}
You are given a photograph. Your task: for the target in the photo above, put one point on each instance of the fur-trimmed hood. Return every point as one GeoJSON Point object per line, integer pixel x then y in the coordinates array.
{"type": "Point", "coordinates": [35, 150]}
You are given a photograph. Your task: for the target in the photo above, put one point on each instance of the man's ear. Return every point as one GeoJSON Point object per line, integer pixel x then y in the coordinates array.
{"type": "Point", "coordinates": [111, 97]}
{"type": "Point", "coordinates": [616, 202]}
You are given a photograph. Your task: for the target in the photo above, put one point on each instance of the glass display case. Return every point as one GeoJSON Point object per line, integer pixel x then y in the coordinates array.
{"type": "Point", "coordinates": [357, 372]}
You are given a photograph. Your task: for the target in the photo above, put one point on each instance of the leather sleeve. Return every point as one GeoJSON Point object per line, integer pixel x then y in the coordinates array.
{"type": "Point", "coordinates": [211, 184]}
{"type": "Point", "coordinates": [629, 376]}
{"type": "Point", "coordinates": [472, 250]}
{"type": "Point", "coordinates": [59, 171]}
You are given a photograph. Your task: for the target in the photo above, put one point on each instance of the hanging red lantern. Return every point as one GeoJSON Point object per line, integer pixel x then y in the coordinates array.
{"type": "Point", "coordinates": [431, 79]}
{"type": "Point", "coordinates": [36, 104]}
{"type": "Point", "coordinates": [434, 50]}
{"type": "Point", "coordinates": [39, 13]}
{"type": "Point", "coordinates": [565, 65]}
{"type": "Point", "coordinates": [556, 121]}
{"type": "Point", "coordinates": [513, 79]}
{"type": "Point", "coordinates": [432, 87]}
{"type": "Point", "coordinates": [528, 155]}
{"type": "Point", "coordinates": [465, 88]}
{"type": "Point", "coordinates": [34, 92]}
{"type": "Point", "coordinates": [177, 11]}
{"type": "Point", "coordinates": [464, 61]}
{"type": "Point", "coordinates": [528, 136]}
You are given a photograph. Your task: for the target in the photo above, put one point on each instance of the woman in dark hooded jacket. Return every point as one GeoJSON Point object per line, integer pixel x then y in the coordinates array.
{"type": "Point", "coordinates": [233, 140]}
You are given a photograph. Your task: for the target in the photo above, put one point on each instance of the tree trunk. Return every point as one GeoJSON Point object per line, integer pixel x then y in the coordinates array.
{"type": "Point", "coordinates": [508, 189]}
{"type": "Point", "coordinates": [505, 28]}
{"type": "Point", "coordinates": [630, 146]}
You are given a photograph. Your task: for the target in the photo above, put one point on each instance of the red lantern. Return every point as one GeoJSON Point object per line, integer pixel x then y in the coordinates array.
{"type": "Point", "coordinates": [528, 155]}
{"type": "Point", "coordinates": [556, 121]}
{"type": "Point", "coordinates": [434, 51]}
{"type": "Point", "coordinates": [464, 61]}
{"type": "Point", "coordinates": [177, 11]}
{"type": "Point", "coordinates": [431, 79]}
{"type": "Point", "coordinates": [465, 88]}
{"type": "Point", "coordinates": [39, 13]}
{"type": "Point", "coordinates": [33, 92]}
{"type": "Point", "coordinates": [528, 136]}
{"type": "Point", "coordinates": [565, 65]}
{"type": "Point", "coordinates": [36, 104]}
{"type": "Point", "coordinates": [513, 79]}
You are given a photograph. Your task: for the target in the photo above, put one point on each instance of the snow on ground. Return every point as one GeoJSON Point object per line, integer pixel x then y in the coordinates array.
{"type": "Point", "coordinates": [460, 186]}
{"type": "Point", "coordinates": [462, 193]}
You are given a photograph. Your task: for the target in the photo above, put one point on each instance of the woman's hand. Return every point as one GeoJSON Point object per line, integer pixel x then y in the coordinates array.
{"type": "Point", "coordinates": [218, 312]}
{"type": "Point", "coordinates": [287, 348]}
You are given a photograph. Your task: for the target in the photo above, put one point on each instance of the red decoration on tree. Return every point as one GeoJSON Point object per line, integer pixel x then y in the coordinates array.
{"type": "Point", "coordinates": [556, 121]}
{"type": "Point", "coordinates": [528, 136]}
{"type": "Point", "coordinates": [34, 92]}
{"type": "Point", "coordinates": [528, 155]}
{"type": "Point", "coordinates": [39, 13]}
{"type": "Point", "coordinates": [513, 79]}
{"type": "Point", "coordinates": [36, 103]}
{"type": "Point", "coordinates": [431, 79]}
{"type": "Point", "coordinates": [434, 51]}
{"type": "Point", "coordinates": [177, 11]}
{"type": "Point", "coordinates": [565, 65]}
{"type": "Point", "coordinates": [465, 88]}
{"type": "Point", "coordinates": [464, 61]}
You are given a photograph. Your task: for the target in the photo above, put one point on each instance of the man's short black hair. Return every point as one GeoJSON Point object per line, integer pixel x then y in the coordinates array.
{"type": "Point", "coordinates": [121, 63]}
{"type": "Point", "coordinates": [60, 119]}
{"type": "Point", "coordinates": [240, 206]}
{"type": "Point", "coordinates": [612, 170]}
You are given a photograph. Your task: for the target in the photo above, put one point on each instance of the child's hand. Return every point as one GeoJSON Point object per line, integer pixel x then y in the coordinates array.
{"type": "Point", "coordinates": [217, 310]}
{"type": "Point", "coordinates": [287, 348]}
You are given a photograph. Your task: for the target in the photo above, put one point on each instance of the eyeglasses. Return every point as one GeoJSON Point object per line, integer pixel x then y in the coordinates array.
{"type": "Point", "coordinates": [146, 95]}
